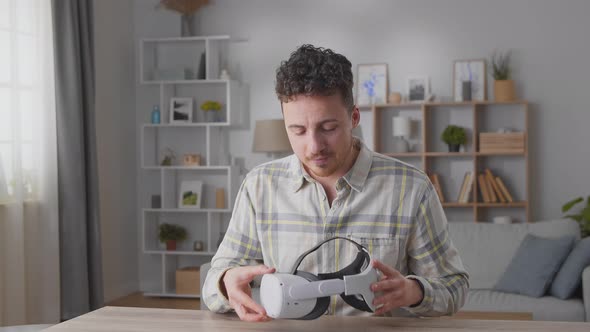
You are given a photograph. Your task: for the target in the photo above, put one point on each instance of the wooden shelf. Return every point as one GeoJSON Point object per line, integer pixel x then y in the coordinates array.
{"type": "Point", "coordinates": [507, 205]}
{"type": "Point", "coordinates": [449, 154]}
{"type": "Point", "coordinates": [501, 153]}
{"type": "Point", "coordinates": [458, 205]}
{"type": "Point", "coordinates": [404, 155]}
{"type": "Point", "coordinates": [430, 119]}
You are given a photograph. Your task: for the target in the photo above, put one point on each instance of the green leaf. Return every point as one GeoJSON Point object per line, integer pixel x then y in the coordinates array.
{"type": "Point", "coordinates": [567, 206]}
{"type": "Point", "coordinates": [586, 214]}
{"type": "Point", "coordinates": [576, 217]}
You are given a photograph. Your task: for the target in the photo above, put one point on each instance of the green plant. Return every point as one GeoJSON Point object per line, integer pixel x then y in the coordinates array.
{"type": "Point", "coordinates": [454, 135]}
{"type": "Point", "coordinates": [583, 217]}
{"type": "Point", "coordinates": [210, 105]}
{"type": "Point", "coordinates": [501, 66]}
{"type": "Point", "coordinates": [170, 232]}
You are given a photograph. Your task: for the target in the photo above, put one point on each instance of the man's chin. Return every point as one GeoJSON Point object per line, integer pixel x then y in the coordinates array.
{"type": "Point", "coordinates": [321, 171]}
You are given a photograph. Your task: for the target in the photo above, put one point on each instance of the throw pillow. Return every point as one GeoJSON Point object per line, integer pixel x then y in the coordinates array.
{"type": "Point", "coordinates": [533, 266]}
{"type": "Point", "coordinates": [569, 277]}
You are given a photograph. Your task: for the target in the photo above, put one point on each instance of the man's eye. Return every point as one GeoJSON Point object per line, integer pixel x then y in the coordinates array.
{"type": "Point", "coordinates": [298, 132]}
{"type": "Point", "coordinates": [330, 129]}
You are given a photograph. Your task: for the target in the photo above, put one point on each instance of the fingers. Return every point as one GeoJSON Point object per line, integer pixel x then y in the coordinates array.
{"type": "Point", "coordinates": [248, 316]}
{"type": "Point", "coordinates": [241, 298]}
{"type": "Point", "coordinates": [238, 290]}
{"type": "Point", "coordinates": [386, 270]}
{"type": "Point", "coordinates": [387, 285]}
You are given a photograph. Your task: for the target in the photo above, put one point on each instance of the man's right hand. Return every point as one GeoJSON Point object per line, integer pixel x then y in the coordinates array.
{"type": "Point", "coordinates": [237, 286]}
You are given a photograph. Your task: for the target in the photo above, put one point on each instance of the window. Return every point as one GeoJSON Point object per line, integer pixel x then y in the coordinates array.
{"type": "Point", "coordinates": [20, 99]}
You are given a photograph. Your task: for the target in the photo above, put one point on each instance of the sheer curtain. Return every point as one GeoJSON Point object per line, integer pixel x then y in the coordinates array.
{"type": "Point", "coordinates": [29, 240]}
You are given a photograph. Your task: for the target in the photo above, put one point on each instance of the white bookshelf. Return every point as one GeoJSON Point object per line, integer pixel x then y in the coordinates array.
{"type": "Point", "coordinates": [181, 57]}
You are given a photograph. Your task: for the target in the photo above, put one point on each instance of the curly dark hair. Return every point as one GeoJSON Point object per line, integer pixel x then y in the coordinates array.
{"type": "Point", "coordinates": [315, 71]}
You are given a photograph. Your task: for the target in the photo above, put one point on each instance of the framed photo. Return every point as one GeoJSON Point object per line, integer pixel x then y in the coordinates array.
{"type": "Point", "coordinates": [473, 71]}
{"type": "Point", "coordinates": [418, 89]}
{"type": "Point", "coordinates": [181, 110]}
{"type": "Point", "coordinates": [190, 194]}
{"type": "Point", "coordinates": [371, 84]}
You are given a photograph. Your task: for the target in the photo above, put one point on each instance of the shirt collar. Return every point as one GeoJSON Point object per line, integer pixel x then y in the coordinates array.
{"type": "Point", "coordinates": [356, 176]}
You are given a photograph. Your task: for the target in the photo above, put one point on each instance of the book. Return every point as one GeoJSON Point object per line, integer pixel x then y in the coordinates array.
{"type": "Point", "coordinates": [437, 187]}
{"type": "Point", "coordinates": [495, 187]}
{"type": "Point", "coordinates": [469, 188]}
{"type": "Point", "coordinates": [504, 190]}
{"type": "Point", "coordinates": [490, 189]}
{"type": "Point", "coordinates": [463, 187]}
{"type": "Point", "coordinates": [481, 181]}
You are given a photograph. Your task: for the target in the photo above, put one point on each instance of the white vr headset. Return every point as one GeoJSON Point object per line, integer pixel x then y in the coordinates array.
{"type": "Point", "coordinates": [303, 295]}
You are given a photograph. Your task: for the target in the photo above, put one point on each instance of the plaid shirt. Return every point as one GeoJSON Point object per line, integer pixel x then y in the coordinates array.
{"type": "Point", "coordinates": [388, 206]}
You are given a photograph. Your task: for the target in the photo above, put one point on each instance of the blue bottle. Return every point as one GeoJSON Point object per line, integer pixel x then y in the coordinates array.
{"type": "Point", "coordinates": [156, 114]}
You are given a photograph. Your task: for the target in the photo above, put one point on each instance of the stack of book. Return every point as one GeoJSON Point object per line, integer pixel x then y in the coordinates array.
{"type": "Point", "coordinates": [492, 188]}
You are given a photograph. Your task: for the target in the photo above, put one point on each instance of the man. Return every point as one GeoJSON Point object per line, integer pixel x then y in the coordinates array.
{"type": "Point", "coordinates": [334, 185]}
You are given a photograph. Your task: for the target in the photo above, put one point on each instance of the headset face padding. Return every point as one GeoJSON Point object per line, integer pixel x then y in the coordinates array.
{"type": "Point", "coordinates": [322, 303]}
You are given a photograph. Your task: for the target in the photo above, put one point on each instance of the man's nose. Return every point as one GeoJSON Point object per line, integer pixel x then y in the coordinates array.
{"type": "Point", "coordinates": [316, 143]}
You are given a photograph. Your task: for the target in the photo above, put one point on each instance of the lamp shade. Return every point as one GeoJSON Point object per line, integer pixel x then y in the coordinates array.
{"type": "Point", "coordinates": [271, 136]}
{"type": "Point", "coordinates": [401, 126]}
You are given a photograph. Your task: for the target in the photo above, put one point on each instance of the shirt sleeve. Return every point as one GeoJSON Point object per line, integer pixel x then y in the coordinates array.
{"type": "Point", "coordinates": [240, 247]}
{"type": "Point", "coordinates": [434, 261]}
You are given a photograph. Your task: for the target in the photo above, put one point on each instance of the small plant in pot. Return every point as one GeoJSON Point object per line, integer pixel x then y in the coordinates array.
{"type": "Point", "coordinates": [454, 136]}
{"type": "Point", "coordinates": [170, 234]}
{"type": "Point", "coordinates": [582, 217]}
{"type": "Point", "coordinates": [501, 72]}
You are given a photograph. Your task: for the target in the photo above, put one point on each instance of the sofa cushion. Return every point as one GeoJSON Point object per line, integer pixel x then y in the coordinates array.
{"type": "Point", "coordinates": [569, 277]}
{"type": "Point", "coordinates": [534, 265]}
{"type": "Point", "coordinates": [543, 308]}
{"type": "Point", "coordinates": [486, 249]}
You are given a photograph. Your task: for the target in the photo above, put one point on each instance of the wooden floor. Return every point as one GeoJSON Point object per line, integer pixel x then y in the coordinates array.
{"type": "Point", "coordinates": [138, 300]}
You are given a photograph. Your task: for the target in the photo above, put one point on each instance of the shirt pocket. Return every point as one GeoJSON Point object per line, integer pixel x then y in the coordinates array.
{"type": "Point", "coordinates": [384, 249]}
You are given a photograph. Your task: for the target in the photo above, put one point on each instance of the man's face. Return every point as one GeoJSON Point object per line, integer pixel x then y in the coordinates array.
{"type": "Point", "coordinates": [320, 132]}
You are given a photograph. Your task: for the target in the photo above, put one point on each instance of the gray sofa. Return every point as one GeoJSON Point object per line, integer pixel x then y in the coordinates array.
{"type": "Point", "coordinates": [487, 249]}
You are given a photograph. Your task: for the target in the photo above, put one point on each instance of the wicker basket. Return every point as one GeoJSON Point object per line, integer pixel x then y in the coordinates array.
{"type": "Point", "coordinates": [501, 142]}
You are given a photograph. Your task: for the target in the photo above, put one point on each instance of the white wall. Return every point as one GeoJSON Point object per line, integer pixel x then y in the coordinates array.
{"type": "Point", "coordinates": [115, 117]}
{"type": "Point", "coordinates": [550, 58]}
{"type": "Point", "coordinates": [419, 37]}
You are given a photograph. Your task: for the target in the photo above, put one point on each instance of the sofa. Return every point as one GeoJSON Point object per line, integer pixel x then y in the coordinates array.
{"type": "Point", "coordinates": [487, 250]}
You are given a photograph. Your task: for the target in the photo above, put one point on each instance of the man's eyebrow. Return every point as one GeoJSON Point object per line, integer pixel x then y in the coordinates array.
{"type": "Point", "coordinates": [295, 126]}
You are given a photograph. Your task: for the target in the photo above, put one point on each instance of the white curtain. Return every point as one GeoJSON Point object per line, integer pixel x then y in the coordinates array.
{"type": "Point", "coordinates": [29, 238]}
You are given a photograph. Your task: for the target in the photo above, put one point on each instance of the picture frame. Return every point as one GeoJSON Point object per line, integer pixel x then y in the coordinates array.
{"type": "Point", "coordinates": [181, 110]}
{"type": "Point", "coordinates": [418, 89]}
{"type": "Point", "coordinates": [372, 84]}
{"type": "Point", "coordinates": [473, 70]}
{"type": "Point", "coordinates": [190, 194]}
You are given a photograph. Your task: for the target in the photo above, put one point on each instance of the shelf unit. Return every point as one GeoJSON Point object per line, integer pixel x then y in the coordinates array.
{"type": "Point", "coordinates": [430, 154]}
{"type": "Point", "coordinates": [171, 66]}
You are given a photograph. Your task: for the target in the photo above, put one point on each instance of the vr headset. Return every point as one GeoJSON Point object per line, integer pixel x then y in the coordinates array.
{"type": "Point", "coordinates": [303, 295]}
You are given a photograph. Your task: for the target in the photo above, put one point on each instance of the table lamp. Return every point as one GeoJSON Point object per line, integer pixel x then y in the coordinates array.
{"type": "Point", "coordinates": [270, 136]}
{"type": "Point", "coordinates": [401, 129]}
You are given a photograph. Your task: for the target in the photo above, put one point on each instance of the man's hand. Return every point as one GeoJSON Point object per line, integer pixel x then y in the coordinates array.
{"type": "Point", "coordinates": [395, 290]}
{"type": "Point", "coordinates": [237, 286]}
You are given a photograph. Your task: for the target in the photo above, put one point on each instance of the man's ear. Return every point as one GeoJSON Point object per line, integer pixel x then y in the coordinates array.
{"type": "Point", "coordinates": [356, 116]}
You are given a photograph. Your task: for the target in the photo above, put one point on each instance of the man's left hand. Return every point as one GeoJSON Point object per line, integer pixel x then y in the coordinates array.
{"type": "Point", "coordinates": [394, 289]}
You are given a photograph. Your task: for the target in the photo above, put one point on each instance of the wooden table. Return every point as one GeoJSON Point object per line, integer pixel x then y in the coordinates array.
{"type": "Point", "coordinates": [115, 319]}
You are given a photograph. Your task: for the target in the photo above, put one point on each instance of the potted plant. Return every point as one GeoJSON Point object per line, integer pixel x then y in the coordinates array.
{"type": "Point", "coordinates": [582, 217]}
{"type": "Point", "coordinates": [170, 234]}
{"type": "Point", "coordinates": [210, 107]}
{"type": "Point", "coordinates": [501, 72]}
{"type": "Point", "coordinates": [454, 136]}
